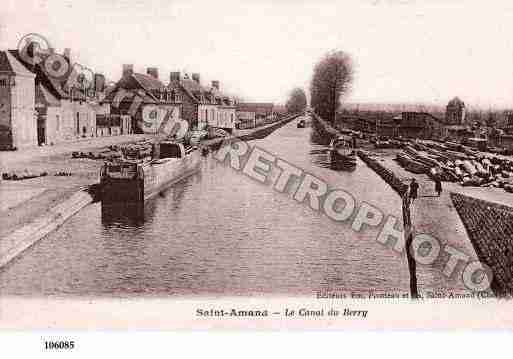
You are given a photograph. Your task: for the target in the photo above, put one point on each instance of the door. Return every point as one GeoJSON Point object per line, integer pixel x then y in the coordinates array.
{"type": "Point", "coordinates": [41, 130]}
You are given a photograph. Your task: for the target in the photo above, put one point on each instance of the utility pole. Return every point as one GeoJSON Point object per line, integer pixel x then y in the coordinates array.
{"type": "Point", "coordinates": [408, 232]}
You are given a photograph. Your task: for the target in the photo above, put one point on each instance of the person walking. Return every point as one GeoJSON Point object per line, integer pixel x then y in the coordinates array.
{"type": "Point", "coordinates": [414, 189]}
{"type": "Point", "coordinates": [438, 185]}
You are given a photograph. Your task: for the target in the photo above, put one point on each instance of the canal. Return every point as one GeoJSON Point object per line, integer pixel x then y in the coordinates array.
{"type": "Point", "coordinates": [219, 233]}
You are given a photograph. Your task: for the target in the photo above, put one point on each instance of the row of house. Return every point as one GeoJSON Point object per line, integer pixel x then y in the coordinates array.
{"type": "Point", "coordinates": [186, 97]}
{"type": "Point", "coordinates": [38, 109]}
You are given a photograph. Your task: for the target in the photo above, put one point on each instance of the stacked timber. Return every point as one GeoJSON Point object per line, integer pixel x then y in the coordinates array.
{"type": "Point", "coordinates": [457, 163]}
{"type": "Point", "coordinates": [411, 164]}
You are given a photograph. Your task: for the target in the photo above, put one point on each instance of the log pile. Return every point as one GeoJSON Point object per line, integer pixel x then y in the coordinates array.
{"type": "Point", "coordinates": [388, 176]}
{"type": "Point", "coordinates": [23, 175]}
{"type": "Point", "coordinates": [457, 163]}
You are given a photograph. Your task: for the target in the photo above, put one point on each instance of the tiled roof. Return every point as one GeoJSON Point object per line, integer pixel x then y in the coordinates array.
{"type": "Point", "coordinates": [200, 94]}
{"type": "Point", "coordinates": [148, 82]}
{"type": "Point", "coordinates": [52, 84]}
{"type": "Point", "coordinates": [9, 63]}
{"type": "Point", "coordinates": [144, 86]}
{"type": "Point", "coordinates": [192, 86]}
{"type": "Point", "coordinates": [44, 96]}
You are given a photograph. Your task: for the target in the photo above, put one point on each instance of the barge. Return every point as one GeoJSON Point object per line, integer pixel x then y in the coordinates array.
{"type": "Point", "coordinates": [342, 153]}
{"type": "Point", "coordinates": [135, 181]}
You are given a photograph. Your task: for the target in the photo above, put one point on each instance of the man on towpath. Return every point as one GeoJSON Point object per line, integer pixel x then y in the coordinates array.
{"type": "Point", "coordinates": [414, 189]}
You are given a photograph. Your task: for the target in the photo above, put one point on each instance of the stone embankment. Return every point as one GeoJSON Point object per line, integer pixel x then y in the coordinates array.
{"type": "Point", "coordinates": [388, 176]}
{"type": "Point", "coordinates": [255, 134]}
{"type": "Point", "coordinates": [18, 241]}
{"type": "Point", "coordinates": [490, 229]}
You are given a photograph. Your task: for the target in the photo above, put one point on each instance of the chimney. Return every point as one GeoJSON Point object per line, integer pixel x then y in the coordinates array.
{"type": "Point", "coordinates": [215, 84]}
{"type": "Point", "coordinates": [174, 76]}
{"type": "Point", "coordinates": [153, 72]}
{"type": "Point", "coordinates": [128, 70]}
{"type": "Point", "coordinates": [196, 77]}
{"type": "Point", "coordinates": [67, 54]}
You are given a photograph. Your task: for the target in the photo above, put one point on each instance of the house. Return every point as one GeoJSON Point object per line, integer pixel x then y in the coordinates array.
{"type": "Point", "coordinates": [199, 106]}
{"type": "Point", "coordinates": [226, 109]}
{"type": "Point", "coordinates": [142, 97]}
{"type": "Point", "coordinates": [252, 114]}
{"type": "Point", "coordinates": [18, 123]}
{"type": "Point", "coordinates": [63, 113]}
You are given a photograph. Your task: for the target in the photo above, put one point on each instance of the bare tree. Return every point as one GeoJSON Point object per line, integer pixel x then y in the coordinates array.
{"type": "Point", "coordinates": [297, 101]}
{"type": "Point", "coordinates": [331, 79]}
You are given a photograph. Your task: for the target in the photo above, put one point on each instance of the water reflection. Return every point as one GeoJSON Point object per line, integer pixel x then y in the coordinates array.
{"type": "Point", "coordinates": [135, 214]}
{"type": "Point", "coordinates": [122, 214]}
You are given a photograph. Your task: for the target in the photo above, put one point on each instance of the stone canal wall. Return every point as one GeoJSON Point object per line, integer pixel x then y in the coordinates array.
{"type": "Point", "coordinates": [256, 134]}
{"type": "Point", "coordinates": [490, 229]}
{"type": "Point", "coordinates": [325, 131]}
{"type": "Point", "coordinates": [388, 176]}
{"type": "Point", "coordinates": [267, 130]}
{"type": "Point", "coordinates": [18, 241]}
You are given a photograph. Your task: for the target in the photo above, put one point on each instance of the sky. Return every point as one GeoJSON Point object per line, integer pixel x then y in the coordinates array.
{"type": "Point", "coordinates": [403, 50]}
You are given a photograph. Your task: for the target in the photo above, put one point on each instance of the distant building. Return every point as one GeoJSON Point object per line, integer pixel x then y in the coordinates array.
{"type": "Point", "coordinates": [225, 117]}
{"type": "Point", "coordinates": [18, 124]}
{"type": "Point", "coordinates": [508, 123]}
{"type": "Point", "coordinates": [455, 112]}
{"type": "Point", "coordinates": [144, 98]}
{"type": "Point", "coordinates": [199, 106]}
{"type": "Point", "coordinates": [252, 114]}
{"type": "Point", "coordinates": [419, 125]}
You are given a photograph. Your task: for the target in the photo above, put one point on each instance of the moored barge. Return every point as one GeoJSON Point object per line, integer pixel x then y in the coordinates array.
{"type": "Point", "coordinates": [136, 181]}
{"type": "Point", "coordinates": [342, 153]}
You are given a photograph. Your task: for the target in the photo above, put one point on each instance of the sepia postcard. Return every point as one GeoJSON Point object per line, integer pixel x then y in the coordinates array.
{"type": "Point", "coordinates": [256, 165]}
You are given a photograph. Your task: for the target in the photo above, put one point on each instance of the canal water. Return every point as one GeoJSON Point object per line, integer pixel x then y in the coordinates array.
{"type": "Point", "coordinates": [219, 233]}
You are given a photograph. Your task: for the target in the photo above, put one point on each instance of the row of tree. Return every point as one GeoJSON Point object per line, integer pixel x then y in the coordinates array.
{"type": "Point", "coordinates": [297, 101]}
{"type": "Point", "coordinates": [331, 80]}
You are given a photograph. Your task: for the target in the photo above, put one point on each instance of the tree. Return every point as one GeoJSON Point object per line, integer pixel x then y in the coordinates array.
{"type": "Point", "coordinates": [331, 80]}
{"type": "Point", "coordinates": [297, 101]}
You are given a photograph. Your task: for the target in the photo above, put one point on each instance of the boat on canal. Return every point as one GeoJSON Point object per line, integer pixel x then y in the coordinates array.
{"type": "Point", "coordinates": [129, 180]}
{"type": "Point", "coordinates": [342, 153]}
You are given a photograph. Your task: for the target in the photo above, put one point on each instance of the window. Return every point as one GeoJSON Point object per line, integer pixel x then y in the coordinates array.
{"type": "Point", "coordinates": [3, 82]}
{"type": "Point", "coordinates": [57, 121]}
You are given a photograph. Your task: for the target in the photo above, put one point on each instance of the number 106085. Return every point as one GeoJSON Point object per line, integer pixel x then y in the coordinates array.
{"type": "Point", "coordinates": [60, 345]}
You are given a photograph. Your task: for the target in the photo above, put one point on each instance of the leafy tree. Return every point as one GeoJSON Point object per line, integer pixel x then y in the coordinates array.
{"type": "Point", "coordinates": [331, 79]}
{"type": "Point", "coordinates": [297, 101]}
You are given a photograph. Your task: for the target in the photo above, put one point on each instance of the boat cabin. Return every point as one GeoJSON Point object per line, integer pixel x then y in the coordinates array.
{"type": "Point", "coordinates": [170, 149]}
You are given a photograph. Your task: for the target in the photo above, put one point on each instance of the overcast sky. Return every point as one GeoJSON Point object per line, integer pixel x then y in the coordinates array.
{"type": "Point", "coordinates": [405, 50]}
